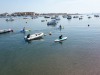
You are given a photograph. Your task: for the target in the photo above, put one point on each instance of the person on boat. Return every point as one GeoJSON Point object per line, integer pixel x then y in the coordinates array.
{"type": "Point", "coordinates": [60, 26]}
{"type": "Point", "coordinates": [28, 35]}
{"type": "Point", "coordinates": [60, 37]}
{"type": "Point", "coordinates": [24, 29]}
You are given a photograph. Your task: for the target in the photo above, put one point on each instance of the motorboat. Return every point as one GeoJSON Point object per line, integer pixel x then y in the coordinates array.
{"type": "Point", "coordinates": [6, 31]}
{"type": "Point", "coordinates": [42, 20]}
{"type": "Point", "coordinates": [46, 16]}
{"type": "Point", "coordinates": [52, 22]}
{"type": "Point", "coordinates": [34, 36]}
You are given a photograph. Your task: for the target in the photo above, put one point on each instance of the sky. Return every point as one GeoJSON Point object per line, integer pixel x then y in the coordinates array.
{"type": "Point", "coordinates": [50, 6]}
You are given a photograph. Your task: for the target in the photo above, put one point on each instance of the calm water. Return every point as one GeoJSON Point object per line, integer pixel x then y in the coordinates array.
{"type": "Point", "coordinates": [78, 55]}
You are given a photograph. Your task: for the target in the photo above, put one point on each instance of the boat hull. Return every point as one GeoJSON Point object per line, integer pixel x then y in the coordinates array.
{"type": "Point", "coordinates": [59, 40]}
{"type": "Point", "coordinates": [34, 36]}
{"type": "Point", "coordinates": [6, 31]}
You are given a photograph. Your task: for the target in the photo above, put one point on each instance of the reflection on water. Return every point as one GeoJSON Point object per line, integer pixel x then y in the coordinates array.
{"type": "Point", "coordinates": [78, 55]}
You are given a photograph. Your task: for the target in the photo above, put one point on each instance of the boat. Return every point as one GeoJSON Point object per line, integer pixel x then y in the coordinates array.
{"type": "Point", "coordinates": [6, 31]}
{"type": "Point", "coordinates": [69, 16]}
{"type": "Point", "coordinates": [57, 18]}
{"type": "Point", "coordinates": [34, 36]}
{"type": "Point", "coordinates": [96, 15]}
{"type": "Point", "coordinates": [10, 19]}
{"type": "Point", "coordinates": [42, 20]}
{"type": "Point", "coordinates": [23, 31]}
{"type": "Point", "coordinates": [89, 17]}
{"type": "Point", "coordinates": [52, 22]}
{"type": "Point", "coordinates": [25, 18]}
{"type": "Point", "coordinates": [59, 40]}
{"type": "Point", "coordinates": [80, 18]}
{"type": "Point", "coordinates": [46, 16]}
{"type": "Point", "coordinates": [75, 17]}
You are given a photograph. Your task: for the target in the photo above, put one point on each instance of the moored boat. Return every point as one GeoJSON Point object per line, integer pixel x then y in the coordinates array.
{"type": "Point", "coordinates": [10, 19]}
{"type": "Point", "coordinates": [6, 31]}
{"type": "Point", "coordinates": [52, 22]}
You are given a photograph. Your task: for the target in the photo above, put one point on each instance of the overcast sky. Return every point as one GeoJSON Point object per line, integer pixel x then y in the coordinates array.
{"type": "Point", "coordinates": [50, 6]}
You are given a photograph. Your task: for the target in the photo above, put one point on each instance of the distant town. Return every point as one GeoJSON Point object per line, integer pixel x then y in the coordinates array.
{"type": "Point", "coordinates": [31, 14]}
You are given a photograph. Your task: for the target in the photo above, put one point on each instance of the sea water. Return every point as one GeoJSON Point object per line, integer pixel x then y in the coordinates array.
{"type": "Point", "coordinates": [78, 55]}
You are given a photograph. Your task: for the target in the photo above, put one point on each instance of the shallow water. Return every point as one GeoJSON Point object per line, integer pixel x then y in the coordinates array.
{"type": "Point", "coordinates": [78, 55]}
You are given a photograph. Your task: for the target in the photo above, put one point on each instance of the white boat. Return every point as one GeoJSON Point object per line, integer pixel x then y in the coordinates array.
{"type": "Point", "coordinates": [34, 36]}
{"type": "Point", "coordinates": [42, 20]}
{"type": "Point", "coordinates": [5, 31]}
{"type": "Point", "coordinates": [59, 40]}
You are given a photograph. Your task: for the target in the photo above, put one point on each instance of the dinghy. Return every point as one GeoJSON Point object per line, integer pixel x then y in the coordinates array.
{"type": "Point", "coordinates": [34, 36]}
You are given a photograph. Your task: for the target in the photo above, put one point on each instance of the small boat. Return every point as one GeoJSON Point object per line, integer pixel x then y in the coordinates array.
{"type": "Point", "coordinates": [80, 18]}
{"type": "Point", "coordinates": [42, 20]}
{"type": "Point", "coordinates": [52, 22]}
{"type": "Point", "coordinates": [67, 16]}
{"type": "Point", "coordinates": [10, 19]}
{"type": "Point", "coordinates": [46, 16]}
{"type": "Point", "coordinates": [89, 17]}
{"type": "Point", "coordinates": [6, 31]}
{"type": "Point", "coordinates": [25, 18]}
{"type": "Point", "coordinates": [23, 31]}
{"type": "Point", "coordinates": [34, 36]}
{"type": "Point", "coordinates": [59, 40]}
{"type": "Point", "coordinates": [75, 17]}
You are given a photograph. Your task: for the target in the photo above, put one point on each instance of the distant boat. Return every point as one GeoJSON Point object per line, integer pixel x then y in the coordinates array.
{"type": "Point", "coordinates": [53, 17]}
{"type": "Point", "coordinates": [69, 17]}
{"type": "Point", "coordinates": [64, 16]}
{"type": "Point", "coordinates": [52, 22]}
{"type": "Point", "coordinates": [96, 15]}
{"type": "Point", "coordinates": [57, 18]}
{"type": "Point", "coordinates": [80, 18]}
{"type": "Point", "coordinates": [5, 31]}
{"type": "Point", "coordinates": [89, 17]}
{"type": "Point", "coordinates": [25, 18]}
{"type": "Point", "coordinates": [34, 36]}
{"type": "Point", "coordinates": [75, 17]}
{"type": "Point", "coordinates": [46, 16]}
{"type": "Point", "coordinates": [11, 19]}
{"type": "Point", "coordinates": [42, 20]}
